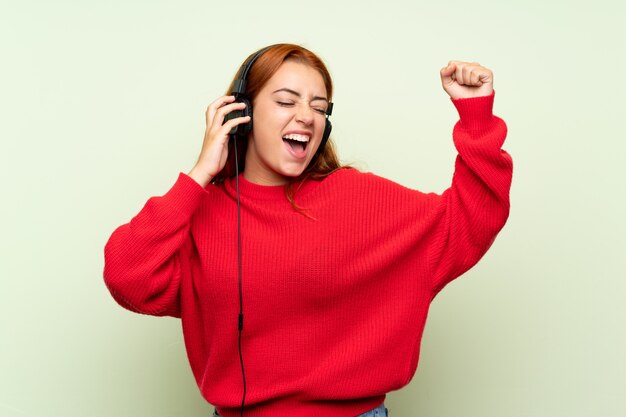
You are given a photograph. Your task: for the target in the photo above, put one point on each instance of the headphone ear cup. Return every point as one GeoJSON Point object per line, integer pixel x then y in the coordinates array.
{"type": "Point", "coordinates": [247, 127]}
{"type": "Point", "coordinates": [327, 129]}
{"type": "Point", "coordinates": [244, 129]}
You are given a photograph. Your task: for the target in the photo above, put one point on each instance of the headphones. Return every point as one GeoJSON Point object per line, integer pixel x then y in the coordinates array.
{"type": "Point", "coordinates": [239, 91]}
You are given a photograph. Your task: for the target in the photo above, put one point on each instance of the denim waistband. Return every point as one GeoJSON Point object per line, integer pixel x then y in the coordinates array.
{"type": "Point", "coordinates": [380, 411]}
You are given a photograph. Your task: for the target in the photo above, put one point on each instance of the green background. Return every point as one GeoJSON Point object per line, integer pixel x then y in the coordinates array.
{"type": "Point", "coordinates": [102, 104]}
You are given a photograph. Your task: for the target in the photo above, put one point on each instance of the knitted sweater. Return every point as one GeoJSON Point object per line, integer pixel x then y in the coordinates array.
{"type": "Point", "coordinates": [335, 301]}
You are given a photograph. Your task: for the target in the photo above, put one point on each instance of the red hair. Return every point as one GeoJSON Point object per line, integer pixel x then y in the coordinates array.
{"type": "Point", "coordinates": [325, 160]}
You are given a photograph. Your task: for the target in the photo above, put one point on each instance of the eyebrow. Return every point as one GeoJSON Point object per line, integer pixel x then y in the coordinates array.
{"type": "Point", "coordinates": [295, 93]}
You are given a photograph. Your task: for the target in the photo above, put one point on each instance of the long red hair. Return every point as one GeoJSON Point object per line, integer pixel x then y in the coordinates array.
{"type": "Point", "coordinates": [325, 160]}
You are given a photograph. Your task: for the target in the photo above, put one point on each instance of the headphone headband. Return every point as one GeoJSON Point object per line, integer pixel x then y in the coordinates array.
{"type": "Point", "coordinates": [239, 86]}
{"type": "Point", "coordinates": [239, 91]}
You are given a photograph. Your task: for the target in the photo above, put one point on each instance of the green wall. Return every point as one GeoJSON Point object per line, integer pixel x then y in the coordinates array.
{"type": "Point", "coordinates": [102, 104]}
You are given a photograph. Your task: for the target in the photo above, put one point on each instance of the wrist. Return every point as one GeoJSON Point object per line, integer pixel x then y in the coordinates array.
{"type": "Point", "coordinates": [200, 176]}
{"type": "Point", "coordinates": [475, 111]}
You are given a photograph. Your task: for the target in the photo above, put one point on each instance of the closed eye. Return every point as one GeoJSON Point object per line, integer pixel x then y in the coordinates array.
{"type": "Point", "coordinates": [319, 110]}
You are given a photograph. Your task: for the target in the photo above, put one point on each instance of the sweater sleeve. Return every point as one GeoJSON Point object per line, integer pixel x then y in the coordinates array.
{"type": "Point", "coordinates": [476, 206]}
{"type": "Point", "coordinates": [142, 259]}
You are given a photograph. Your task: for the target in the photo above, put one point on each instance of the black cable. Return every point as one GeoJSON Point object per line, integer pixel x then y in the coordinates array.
{"type": "Point", "coordinates": [239, 271]}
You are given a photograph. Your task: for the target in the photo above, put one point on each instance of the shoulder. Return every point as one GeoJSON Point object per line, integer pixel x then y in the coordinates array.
{"type": "Point", "coordinates": [352, 181]}
{"type": "Point", "coordinates": [353, 177]}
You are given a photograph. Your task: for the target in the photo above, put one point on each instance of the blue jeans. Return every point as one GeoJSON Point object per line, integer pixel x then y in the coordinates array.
{"type": "Point", "coordinates": [380, 411]}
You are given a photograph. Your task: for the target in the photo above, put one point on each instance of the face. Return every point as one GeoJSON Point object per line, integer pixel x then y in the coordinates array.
{"type": "Point", "coordinates": [288, 124]}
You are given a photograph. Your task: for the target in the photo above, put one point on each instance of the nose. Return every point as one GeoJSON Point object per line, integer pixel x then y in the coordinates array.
{"type": "Point", "coordinates": [304, 115]}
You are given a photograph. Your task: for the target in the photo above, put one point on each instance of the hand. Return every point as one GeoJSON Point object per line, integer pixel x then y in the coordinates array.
{"type": "Point", "coordinates": [466, 79]}
{"type": "Point", "coordinates": [215, 146]}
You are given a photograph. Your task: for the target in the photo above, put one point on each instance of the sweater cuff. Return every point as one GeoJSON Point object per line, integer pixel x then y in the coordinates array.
{"type": "Point", "coordinates": [475, 112]}
{"type": "Point", "coordinates": [185, 195]}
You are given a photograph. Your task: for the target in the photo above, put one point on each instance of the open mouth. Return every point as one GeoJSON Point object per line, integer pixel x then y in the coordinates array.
{"type": "Point", "coordinates": [297, 142]}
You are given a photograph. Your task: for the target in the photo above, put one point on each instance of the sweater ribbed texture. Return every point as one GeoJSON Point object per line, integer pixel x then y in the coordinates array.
{"type": "Point", "coordinates": [335, 302]}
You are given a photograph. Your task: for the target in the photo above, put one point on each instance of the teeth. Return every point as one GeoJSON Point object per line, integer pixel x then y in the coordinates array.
{"type": "Point", "coordinates": [299, 138]}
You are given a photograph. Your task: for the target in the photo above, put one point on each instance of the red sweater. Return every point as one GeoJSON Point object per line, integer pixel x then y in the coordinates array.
{"type": "Point", "coordinates": [334, 303]}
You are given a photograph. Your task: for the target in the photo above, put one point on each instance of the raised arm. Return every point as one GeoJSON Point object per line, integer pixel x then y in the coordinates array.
{"type": "Point", "coordinates": [144, 259]}
{"type": "Point", "coordinates": [476, 206]}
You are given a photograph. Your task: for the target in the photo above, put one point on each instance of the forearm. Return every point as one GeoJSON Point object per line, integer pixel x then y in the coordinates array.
{"type": "Point", "coordinates": [476, 206]}
{"type": "Point", "coordinates": [143, 257]}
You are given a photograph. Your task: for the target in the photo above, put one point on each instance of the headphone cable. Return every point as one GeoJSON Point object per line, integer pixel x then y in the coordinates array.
{"type": "Point", "coordinates": [239, 271]}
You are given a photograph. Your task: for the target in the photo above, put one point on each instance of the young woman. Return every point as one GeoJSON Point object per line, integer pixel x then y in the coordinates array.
{"type": "Point", "coordinates": [333, 269]}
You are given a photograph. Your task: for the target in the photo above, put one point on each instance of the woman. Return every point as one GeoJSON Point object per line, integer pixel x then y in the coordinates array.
{"type": "Point", "coordinates": [339, 267]}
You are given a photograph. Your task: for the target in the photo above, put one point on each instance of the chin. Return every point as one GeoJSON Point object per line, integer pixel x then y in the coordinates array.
{"type": "Point", "coordinates": [292, 173]}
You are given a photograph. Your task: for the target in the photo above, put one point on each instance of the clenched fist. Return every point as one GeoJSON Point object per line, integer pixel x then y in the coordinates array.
{"type": "Point", "coordinates": [466, 79]}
